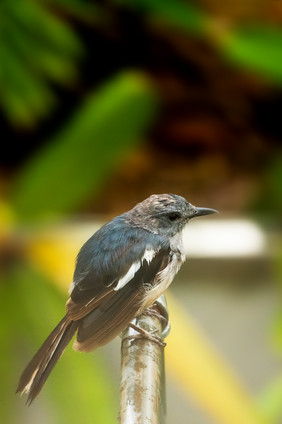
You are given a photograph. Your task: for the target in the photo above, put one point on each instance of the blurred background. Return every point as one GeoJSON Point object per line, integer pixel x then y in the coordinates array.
{"type": "Point", "coordinates": [103, 103]}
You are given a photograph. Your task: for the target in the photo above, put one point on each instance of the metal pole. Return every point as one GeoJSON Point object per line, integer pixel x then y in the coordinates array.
{"type": "Point", "coordinates": [142, 369]}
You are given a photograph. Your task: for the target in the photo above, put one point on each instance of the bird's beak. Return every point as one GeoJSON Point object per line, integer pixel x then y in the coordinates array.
{"type": "Point", "coordinates": [203, 211]}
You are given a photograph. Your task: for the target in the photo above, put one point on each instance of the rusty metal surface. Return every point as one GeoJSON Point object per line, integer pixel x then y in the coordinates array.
{"type": "Point", "coordinates": [142, 386]}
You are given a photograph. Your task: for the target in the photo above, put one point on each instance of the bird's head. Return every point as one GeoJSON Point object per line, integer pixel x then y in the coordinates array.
{"type": "Point", "coordinates": [165, 214]}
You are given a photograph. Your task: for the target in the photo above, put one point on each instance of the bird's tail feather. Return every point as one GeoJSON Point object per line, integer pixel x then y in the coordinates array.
{"type": "Point", "coordinates": [40, 366]}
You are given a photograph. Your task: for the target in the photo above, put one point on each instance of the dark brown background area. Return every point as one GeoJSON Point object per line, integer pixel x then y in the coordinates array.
{"type": "Point", "coordinates": [218, 128]}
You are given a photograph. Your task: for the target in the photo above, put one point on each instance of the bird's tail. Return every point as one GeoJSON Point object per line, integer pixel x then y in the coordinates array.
{"type": "Point", "coordinates": [40, 366]}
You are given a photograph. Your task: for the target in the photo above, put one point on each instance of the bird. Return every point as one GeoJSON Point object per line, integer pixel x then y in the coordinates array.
{"type": "Point", "coordinates": [120, 272]}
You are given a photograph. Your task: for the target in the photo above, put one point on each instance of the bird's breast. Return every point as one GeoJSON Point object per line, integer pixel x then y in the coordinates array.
{"type": "Point", "coordinates": [165, 277]}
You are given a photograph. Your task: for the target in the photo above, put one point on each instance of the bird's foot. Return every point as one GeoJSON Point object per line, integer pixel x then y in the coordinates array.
{"type": "Point", "coordinates": [143, 334]}
{"type": "Point", "coordinates": [153, 312]}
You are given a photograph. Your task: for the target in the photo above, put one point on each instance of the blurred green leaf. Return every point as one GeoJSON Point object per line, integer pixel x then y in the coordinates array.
{"type": "Point", "coordinates": [256, 47]}
{"type": "Point", "coordinates": [22, 97]}
{"type": "Point", "coordinates": [83, 10]}
{"type": "Point", "coordinates": [177, 13]}
{"type": "Point", "coordinates": [270, 197]}
{"type": "Point", "coordinates": [36, 47]}
{"type": "Point", "coordinates": [79, 389]}
{"type": "Point", "coordinates": [76, 162]}
{"type": "Point", "coordinates": [269, 401]}
{"type": "Point", "coordinates": [53, 58]}
{"type": "Point", "coordinates": [38, 21]}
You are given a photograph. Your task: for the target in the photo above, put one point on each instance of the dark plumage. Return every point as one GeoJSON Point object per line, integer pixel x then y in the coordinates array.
{"type": "Point", "coordinates": [121, 270]}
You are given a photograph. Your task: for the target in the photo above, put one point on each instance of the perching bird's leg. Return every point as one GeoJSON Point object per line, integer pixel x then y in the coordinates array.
{"type": "Point", "coordinates": [154, 312]}
{"type": "Point", "coordinates": [144, 334]}
{"type": "Point", "coordinates": [157, 310]}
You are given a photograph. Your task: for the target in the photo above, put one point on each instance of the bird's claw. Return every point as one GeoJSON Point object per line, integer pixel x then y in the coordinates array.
{"type": "Point", "coordinates": [143, 334]}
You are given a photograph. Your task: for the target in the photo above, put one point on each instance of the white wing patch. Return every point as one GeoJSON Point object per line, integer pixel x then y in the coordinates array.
{"type": "Point", "coordinates": [128, 276]}
{"type": "Point", "coordinates": [72, 286]}
{"type": "Point", "coordinates": [148, 256]}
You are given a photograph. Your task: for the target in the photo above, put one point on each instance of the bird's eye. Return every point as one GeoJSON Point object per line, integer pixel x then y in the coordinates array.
{"type": "Point", "coordinates": [174, 216]}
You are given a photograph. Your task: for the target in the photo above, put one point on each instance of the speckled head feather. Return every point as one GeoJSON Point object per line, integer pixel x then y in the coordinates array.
{"type": "Point", "coordinates": [162, 213]}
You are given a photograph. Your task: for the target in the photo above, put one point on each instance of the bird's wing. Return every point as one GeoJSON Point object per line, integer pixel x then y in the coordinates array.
{"type": "Point", "coordinates": [116, 270]}
{"type": "Point", "coordinates": [112, 314]}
